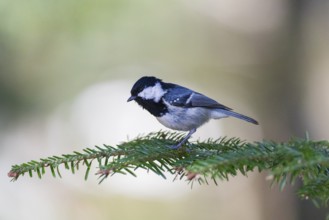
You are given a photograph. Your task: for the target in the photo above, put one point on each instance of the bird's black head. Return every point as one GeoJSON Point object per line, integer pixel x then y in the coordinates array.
{"type": "Point", "coordinates": [148, 92]}
{"type": "Point", "coordinates": [142, 84]}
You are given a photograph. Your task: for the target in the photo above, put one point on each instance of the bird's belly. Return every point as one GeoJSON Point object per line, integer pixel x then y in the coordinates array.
{"type": "Point", "coordinates": [184, 119]}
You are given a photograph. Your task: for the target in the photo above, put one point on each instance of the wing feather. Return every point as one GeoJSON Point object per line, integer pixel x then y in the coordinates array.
{"type": "Point", "coordinates": [183, 97]}
{"type": "Point", "coordinates": [200, 100]}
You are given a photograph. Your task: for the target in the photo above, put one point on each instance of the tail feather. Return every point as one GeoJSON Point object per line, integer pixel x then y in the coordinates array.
{"type": "Point", "coordinates": [238, 115]}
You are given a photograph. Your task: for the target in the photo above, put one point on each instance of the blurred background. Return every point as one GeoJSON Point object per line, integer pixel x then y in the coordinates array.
{"type": "Point", "coordinates": [67, 67]}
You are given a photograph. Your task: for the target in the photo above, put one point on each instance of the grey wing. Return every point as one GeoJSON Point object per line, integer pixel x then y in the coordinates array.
{"type": "Point", "coordinates": [184, 97]}
{"type": "Point", "coordinates": [199, 100]}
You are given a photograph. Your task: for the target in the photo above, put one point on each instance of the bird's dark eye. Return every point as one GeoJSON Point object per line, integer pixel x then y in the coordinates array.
{"type": "Point", "coordinates": [135, 91]}
{"type": "Point", "coordinates": [142, 83]}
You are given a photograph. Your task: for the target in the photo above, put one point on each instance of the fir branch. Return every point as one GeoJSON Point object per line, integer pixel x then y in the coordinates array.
{"type": "Point", "coordinates": [200, 161]}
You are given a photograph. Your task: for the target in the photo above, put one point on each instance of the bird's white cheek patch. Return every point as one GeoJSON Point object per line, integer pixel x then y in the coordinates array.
{"type": "Point", "coordinates": [155, 92]}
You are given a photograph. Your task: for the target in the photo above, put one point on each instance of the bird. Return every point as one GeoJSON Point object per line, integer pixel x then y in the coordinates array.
{"type": "Point", "coordinates": [177, 107]}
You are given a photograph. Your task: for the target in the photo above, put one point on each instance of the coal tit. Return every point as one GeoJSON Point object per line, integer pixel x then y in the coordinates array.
{"type": "Point", "coordinates": [177, 107]}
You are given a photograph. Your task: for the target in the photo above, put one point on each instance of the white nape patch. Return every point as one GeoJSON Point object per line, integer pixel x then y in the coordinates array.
{"type": "Point", "coordinates": [155, 92]}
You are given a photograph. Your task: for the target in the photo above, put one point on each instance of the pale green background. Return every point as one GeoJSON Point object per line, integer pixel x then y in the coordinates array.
{"type": "Point", "coordinates": [66, 69]}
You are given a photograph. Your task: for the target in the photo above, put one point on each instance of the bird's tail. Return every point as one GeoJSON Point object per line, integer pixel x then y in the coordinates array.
{"type": "Point", "coordinates": [236, 115]}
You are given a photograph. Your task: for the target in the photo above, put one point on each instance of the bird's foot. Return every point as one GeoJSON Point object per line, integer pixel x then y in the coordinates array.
{"type": "Point", "coordinates": [179, 146]}
{"type": "Point", "coordinates": [175, 147]}
{"type": "Point", "coordinates": [185, 140]}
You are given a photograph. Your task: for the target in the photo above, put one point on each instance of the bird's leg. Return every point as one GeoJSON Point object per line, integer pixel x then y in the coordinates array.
{"type": "Point", "coordinates": [184, 140]}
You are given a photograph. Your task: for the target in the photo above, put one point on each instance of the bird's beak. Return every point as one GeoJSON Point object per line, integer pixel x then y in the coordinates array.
{"type": "Point", "coordinates": [131, 98]}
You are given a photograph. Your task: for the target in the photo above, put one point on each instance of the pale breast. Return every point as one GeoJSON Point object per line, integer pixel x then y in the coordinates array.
{"type": "Point", "coordinates": [184, 119]}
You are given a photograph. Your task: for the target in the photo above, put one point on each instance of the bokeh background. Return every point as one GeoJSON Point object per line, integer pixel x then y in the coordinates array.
{"type": "Point", "coordinates": [66, 69]}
